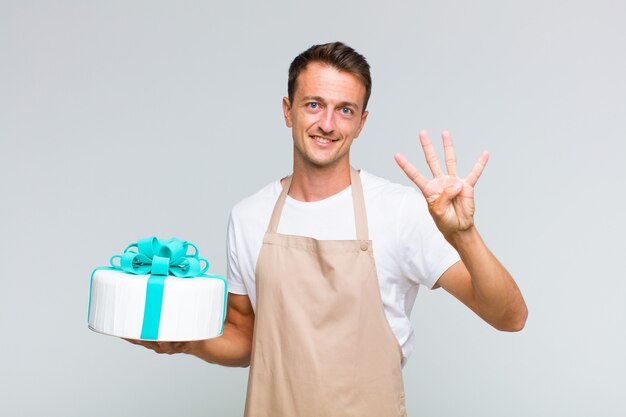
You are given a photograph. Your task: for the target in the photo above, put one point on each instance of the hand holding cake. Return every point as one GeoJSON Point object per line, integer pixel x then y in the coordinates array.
{"type": "Point", "coordinates": [168, 348]}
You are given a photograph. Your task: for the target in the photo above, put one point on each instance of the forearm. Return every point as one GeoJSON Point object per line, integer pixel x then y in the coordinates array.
{"type": "Point", "coordinates": [495, 296]}
{"type": "Point", "coordinates": [233, 348]}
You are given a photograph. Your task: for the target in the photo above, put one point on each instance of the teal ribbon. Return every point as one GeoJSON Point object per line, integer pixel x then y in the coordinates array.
{"type": "Point", "coordinates": [159, 258]}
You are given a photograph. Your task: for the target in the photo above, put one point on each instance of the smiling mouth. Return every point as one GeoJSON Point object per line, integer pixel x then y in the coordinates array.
{"type": "Point", "coordinates": [320, 139]}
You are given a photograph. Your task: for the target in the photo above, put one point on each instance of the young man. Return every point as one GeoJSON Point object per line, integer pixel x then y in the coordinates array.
{"type": "Point", "coordinates": [324, 265]}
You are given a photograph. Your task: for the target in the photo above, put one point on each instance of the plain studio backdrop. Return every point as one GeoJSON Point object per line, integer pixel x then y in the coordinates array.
{"type": "Point", "coordinates": [121, 120]}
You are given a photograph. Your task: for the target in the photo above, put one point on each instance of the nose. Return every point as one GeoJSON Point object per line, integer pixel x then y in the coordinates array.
{"type": "Point", "coordinates": [327, 121]}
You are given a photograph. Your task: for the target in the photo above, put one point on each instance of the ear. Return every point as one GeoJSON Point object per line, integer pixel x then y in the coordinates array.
{"type": "Point", "coordinates": [361, 124]}
{"type": "Point", "coordinates": [287, 111]}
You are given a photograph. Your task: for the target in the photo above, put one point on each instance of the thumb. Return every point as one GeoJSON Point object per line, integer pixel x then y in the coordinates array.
{"type": "Point", "coordinates": [447, 195]}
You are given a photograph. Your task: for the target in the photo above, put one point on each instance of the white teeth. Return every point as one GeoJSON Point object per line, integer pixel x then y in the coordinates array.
{"type": "Point", "coordinates": [322, 140]}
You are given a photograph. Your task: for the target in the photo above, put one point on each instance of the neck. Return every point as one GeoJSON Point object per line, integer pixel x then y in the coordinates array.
{"type": "Point", "coordinates": [311, 183]}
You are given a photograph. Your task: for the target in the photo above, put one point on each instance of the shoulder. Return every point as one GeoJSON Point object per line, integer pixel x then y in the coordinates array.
{"type": "Point", "coordinates": [381, 191]}
{"type": "Point", "coordinates": [257, 203]}
{"type": "Point", "coordinates": [398, 207]}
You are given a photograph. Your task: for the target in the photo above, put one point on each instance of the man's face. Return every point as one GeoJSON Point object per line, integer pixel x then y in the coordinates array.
{"type": "Point", "coordinates": [326, 115]}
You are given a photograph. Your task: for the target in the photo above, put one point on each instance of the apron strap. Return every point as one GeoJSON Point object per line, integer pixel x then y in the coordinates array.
{"type": "Point", "coordinates": [278, 207]}
{"type": "Point", "coordinates": [358, 201]}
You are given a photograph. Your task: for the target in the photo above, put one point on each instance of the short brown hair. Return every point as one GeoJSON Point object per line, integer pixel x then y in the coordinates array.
{"type": "Point", "coordinates": [337, 55]}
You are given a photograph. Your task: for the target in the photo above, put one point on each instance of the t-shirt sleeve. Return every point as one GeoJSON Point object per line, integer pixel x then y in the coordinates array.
{"type": "Point", "coordinates": [426, 255]}
{"type": "Point", "coordinates": [233, 270]}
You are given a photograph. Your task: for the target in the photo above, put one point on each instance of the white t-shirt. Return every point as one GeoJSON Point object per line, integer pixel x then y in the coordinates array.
{"type": "Point", "coordinates": [409, 250]}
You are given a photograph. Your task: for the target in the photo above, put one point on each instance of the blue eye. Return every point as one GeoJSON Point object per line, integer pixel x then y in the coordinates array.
{"type": "Point", "coordinates": [346, 110]}
{"type": "Point", "coordinates": [313, 105]}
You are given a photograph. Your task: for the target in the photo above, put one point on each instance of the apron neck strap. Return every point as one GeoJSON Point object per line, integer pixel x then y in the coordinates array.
{"type": "Point", "coordinates": [358, 201]}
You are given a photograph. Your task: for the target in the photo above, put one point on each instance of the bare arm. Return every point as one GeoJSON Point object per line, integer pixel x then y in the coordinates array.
{"type": "Point", "coordinates": [479, 281]}
{"type": "Point", "coordinates": [233, 348]}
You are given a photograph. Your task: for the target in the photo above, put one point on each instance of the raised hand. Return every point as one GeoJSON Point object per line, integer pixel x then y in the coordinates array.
{"type": "Point", "coordinates": [450, 198]}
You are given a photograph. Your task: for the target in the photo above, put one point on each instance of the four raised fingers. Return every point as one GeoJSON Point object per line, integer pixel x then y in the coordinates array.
{"type": "Point", "coordinates": [435, 166]}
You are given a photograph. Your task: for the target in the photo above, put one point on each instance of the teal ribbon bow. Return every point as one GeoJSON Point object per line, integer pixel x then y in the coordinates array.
{"type": "Point", "coordinates": [159, 258]}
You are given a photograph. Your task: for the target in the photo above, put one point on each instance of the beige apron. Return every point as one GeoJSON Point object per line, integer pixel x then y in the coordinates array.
{"type": "Point", "coordinates": [322, 346]}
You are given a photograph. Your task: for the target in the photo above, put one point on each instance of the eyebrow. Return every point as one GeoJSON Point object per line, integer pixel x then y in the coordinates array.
{"type": "Point", "coordinates": [321, 100]}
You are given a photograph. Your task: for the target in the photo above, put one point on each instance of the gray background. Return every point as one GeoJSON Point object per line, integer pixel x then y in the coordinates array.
{"type": "Point", "coordinates": [120, 120]}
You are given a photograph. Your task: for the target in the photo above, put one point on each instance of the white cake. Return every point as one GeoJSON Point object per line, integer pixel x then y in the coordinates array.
{"type": "Point", "coordinates": [191, 309]}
